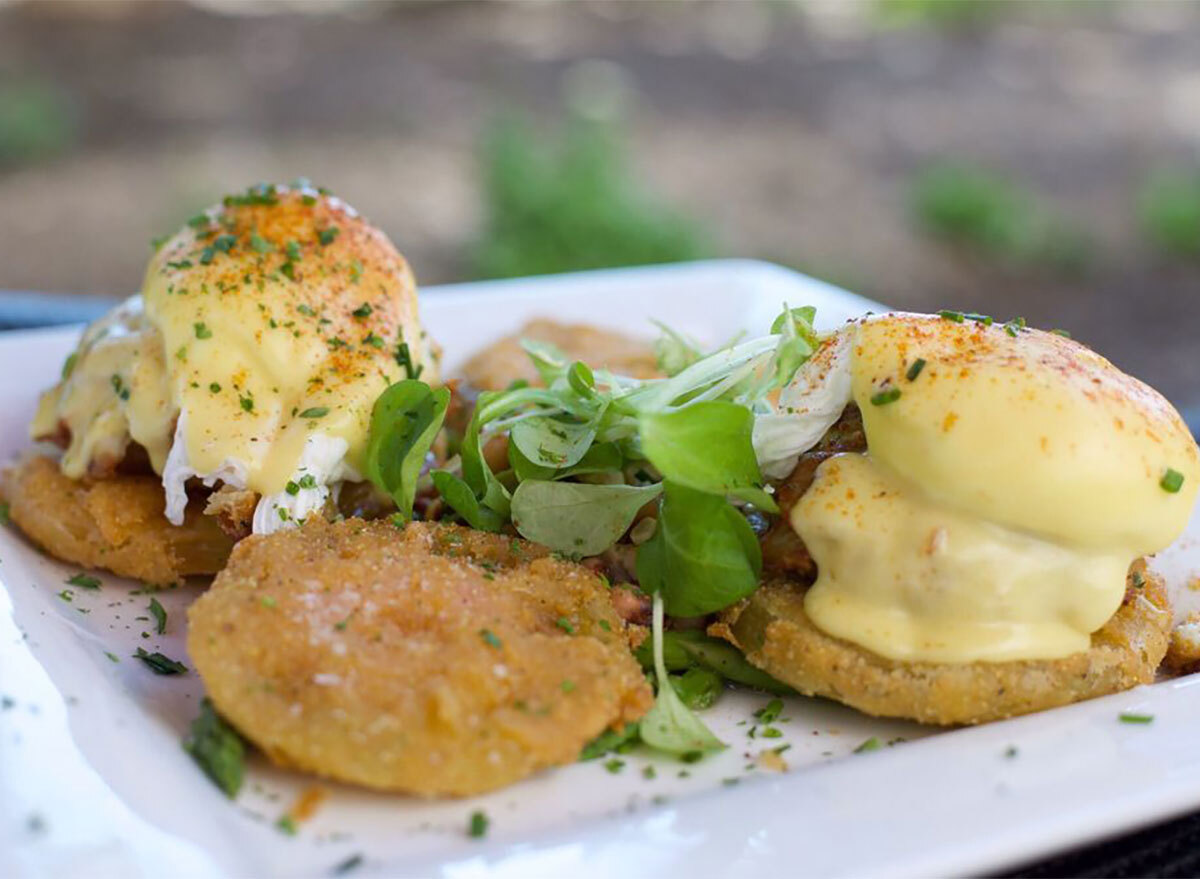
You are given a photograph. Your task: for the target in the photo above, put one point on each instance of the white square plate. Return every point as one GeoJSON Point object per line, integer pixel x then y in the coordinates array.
{"type": "Point", "coordinates": [93, 781]}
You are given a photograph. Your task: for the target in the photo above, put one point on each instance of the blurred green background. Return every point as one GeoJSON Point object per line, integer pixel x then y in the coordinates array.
{"type": "Point", "coordinates": [1019, 158]}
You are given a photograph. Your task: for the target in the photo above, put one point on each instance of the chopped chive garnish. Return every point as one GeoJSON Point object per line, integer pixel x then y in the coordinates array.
{"type": "Point", "coordinates": [354, 860]}
{"type": "Point", "coordinates": [477, 828]}
{"type": "Point", "coordinates": [160, 616]}
{"type": "Point", "coordinates": [308, 481]}
{"type": "Point", "coordinates": [565, 624]}
{"type": "Point", "coordinates": [217, 749]}
{"type": "Point", "coordinates": [1171, 481]}
{"type": "Point", "coordinates": [915, 369]}
{"type": "Point", "coordinates": [1062, 333]}
{"type": "Point", "coordinates": [247, 403]}
{"type": "Point", "coordinates": [292, 488]}
{"type": "Point", "coordinates": [363, 310]}
{"type": "Point", "coordinates": [215, 388]}
{"type": "Point", "coordinates": [490, 639]}
{"type": "Point", "coordinates": [956, 316]}
{"type": "Point", "coordinates": [83, 581]}
{"type": "Point", "coordinates": [315, 412]}
{"type": "Point", "coordinates": [986, 319]}
{"type": "Point", "coordinates": [1131, 717]}
{"type": "Point", "coordinates": [871, 744]}
{"type": "Point", "coordinates": [159, 664]}
{"type": "Point", "coordinates": [326, 236]}
{"type": "Point", "coordinates": [890, 395]}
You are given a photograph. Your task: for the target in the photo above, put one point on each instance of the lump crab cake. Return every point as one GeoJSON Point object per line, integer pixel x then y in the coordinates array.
{"type": "Point", "coordinates": [244, 374]}
{"type": "Point", "coordinates": [433, 660]}
{"type": "Point", "coordinates": [967, 540]}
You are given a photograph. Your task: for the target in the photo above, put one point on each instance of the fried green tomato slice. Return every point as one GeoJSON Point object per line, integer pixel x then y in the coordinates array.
{"type": "Point", "coordinates": [115, 524]}
{"type": "Point", "coordinates": [776, 635]}
{"type": "Point", "coordinates": [429, 659]}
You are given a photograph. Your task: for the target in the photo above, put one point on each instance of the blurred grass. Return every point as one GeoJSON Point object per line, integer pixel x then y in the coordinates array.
{"type": "Point", "coordinates": [940, 13]}
{"type": "Point", "coordinates": [571, 205]}
{"type": "Point", "coordinates": [991, 216]}
{"type": "Point", "coordinates": [36, 122]}
{"type": "Point", "coordinates": [1169, 210]}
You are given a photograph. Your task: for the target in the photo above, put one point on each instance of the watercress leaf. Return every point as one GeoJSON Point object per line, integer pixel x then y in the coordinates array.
{"type": "Point", "coordinates": [581, 379]}
{"type": "Point", "coordinates": [553, 442]}
{"type": "Point", "coordinates": [550, 362]}
{"type": "Point", "coordinates": [703, 556]}
{"type": "Point", "coordinates": [609, 741]}
{"type": "Point", "coordinates": [800, 318]}
{"type": "Point", "coordinates": [404, 423]}
{"type": "Point", "coordinates": [476, 473]}
{"type": "Point", "coordinates": [576, 517]}
{"type": "Point", "coordinates": [698, 688]}
{"type": "Point", "coordinates": [459, 497]}
{"type": "Point", "coordinates": [669, 725]}
{"type": "Point", "coordinates": [684, 649]}
{"type": "Point", "coordinates": [526, 469]}
{"type": "Point", "coordinates": [707, 446]}
{"type": "Point", "coordinates": [674, 352]}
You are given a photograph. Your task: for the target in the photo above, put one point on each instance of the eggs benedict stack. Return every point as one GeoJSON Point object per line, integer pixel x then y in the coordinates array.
{"type": "Point", "coordinates": [244, 373]}
{"type": "Point", "coordinates": [982, 556]}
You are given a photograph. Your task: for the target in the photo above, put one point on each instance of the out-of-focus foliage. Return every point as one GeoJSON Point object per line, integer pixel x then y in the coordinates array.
{"type": "Point", "coordinates": [940, 13]}
{"type": "Point", "coordinates": [995, 218]}
{"type": "Point", "coordinates": [556, 207]}
{"type": "Point", "coordinates": [1169, 207]}
{"type": "Point", "coordinates": [36, 122]}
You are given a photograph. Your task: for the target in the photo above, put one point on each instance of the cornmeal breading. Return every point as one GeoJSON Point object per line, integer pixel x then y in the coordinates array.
{"type": "Point", "coordinates": [778, 637]}
{"type": "Point", "coordinates": [500, 364]}
{"type": "Point", "coordinates": [431, 659]}
{"type": "Point", "coordinates": [1183, 653]}
{"type": "Point", "coordinates": [116, 523]}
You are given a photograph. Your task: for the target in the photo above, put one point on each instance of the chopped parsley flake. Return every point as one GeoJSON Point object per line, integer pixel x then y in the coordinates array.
{"type": "Point", "coordinates": [260, 244]}
{"type": "Point", "coordinates": [373, 340]}
{"type": "Point", "coordinates": [5, 514]}
{"type": "Point", "coordinates": [326, 236]}
{"type": "Point", "coordinates": [477, 827]}
{"type": "Point", "coordinates": [1063, 333]}
{"type": "Point", "coordinates": [614, 765]}
{"type": "Point", "coordinates": [871, 744]}
{"type": "Point", "coordinates": [247, 403]}
{"type": "Point", "coordinates": [287, 824]}
{"type": "Point", "coordinates": [315, 412]}
{"type": "Point", "coordinates": [112, 656]}
{"type": "Point", "coordinates": [490, 639]}
{"type": "Point", "coordinates": [306, 310]}
{"type": "Point", "coordinates": [567, 686]}
{"type": "Point", "coordinates": [202, 330]}
{"type": "Point", "coordinates": [956, 316]}
{"type": "Point", "coordinates": [770, 712]}
{"type": "Point", "coordinates": [215, 388]}
{"type": "Point", "coordinates": [292, 488]}
{"type": "Point", "coordinates": [1172, 481]}
{"type": "Point", "coordinates": [354, 860]}
{"type": "Point", "coordinates": [217, 748]}
{"type": "Point", "coordinates": [293, 251]}
{"type": "Point", "coordinates": [84, 581]}
{"type": "Point", "coordinates": [308, 481]}
{"type": "Point", "coordinates": [565, 624]}
{"type": "Point", "coordinates": [119, 388]}
{"type": "Point", "coordinates": [363, 310]}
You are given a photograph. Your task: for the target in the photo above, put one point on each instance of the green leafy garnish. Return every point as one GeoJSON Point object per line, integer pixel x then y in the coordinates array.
{"type": "Point", "coordinates": [703, 556]}
{"type": "Point", "coordinates": [610, 740]}
{"type": "Point", "coordinates": [577, 517]}
{"type": "Point", "coordinates": [217, 749]}
{"type": "Point", "coordinates": [871, 744]}
{"type": "Point", "coordinates": [1131, 717]}
{"type": "Point", "coordinates": [698, 688]}
{"type": "Point", "coordinates": [404, 422]}
{"type": "Point", "coordinates": [669, 725]}
{"type": "Point", "coordinates": [315, 412]}
{"type": "Point", "coordinates": [83, 581]}
{"type": "Point", "coordinates": [459, 497]}
{"type": "Point", "coordinates": [160, 616]}
{"type": "Point", "coordinates": [686, 649]}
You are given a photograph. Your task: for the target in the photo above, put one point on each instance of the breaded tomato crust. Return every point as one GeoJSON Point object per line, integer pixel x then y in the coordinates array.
{"type": "Point", "coordinates": [431, 659]}
{"type": "Point", "coordinates": [116, 523]}
{"type": "Point", "coordinates": [499, 365]}
{"type": "Point", "coordinates": [773, 631]}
